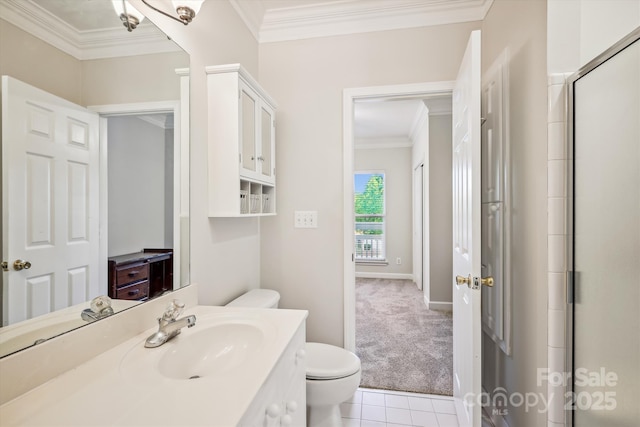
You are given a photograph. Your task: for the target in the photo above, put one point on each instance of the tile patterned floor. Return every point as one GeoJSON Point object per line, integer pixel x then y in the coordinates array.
{"type": "Point", "coordinates": [384, 408]}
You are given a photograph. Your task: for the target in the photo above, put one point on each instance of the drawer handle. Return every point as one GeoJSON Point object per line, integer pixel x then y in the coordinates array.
{"type": "Point", "coordinates": [133, 273]}
{"type": "Point", "coordinates": [134, 292]}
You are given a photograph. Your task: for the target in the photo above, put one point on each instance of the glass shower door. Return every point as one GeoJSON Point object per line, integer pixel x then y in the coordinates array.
{"type": "Point", "coordinates": [605, 101]}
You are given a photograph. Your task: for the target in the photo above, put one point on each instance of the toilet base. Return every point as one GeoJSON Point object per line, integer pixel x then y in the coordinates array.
{"type": "Point", "coordinates": [324, 416]}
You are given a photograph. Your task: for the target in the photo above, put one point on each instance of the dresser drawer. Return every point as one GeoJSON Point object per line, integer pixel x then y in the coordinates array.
{"type": "Point", "coordinates": [132, 273]}
{"type": "Point", "coordinates": [135, 291]}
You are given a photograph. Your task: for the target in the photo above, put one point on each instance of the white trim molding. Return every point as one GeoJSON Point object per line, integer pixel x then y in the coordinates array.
{"type": "Point", "coordinates": [438, 305]}
{"type": "Point", "coordinates": [324, 19]}
{"type": "Point", "coordinates": [391, 276]}
{"type": "Point", "coordinates": [82, 45]}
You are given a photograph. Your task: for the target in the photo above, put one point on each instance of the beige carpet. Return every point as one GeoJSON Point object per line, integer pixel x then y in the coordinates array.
{"type": "Point", "coordinates": [402, 345]}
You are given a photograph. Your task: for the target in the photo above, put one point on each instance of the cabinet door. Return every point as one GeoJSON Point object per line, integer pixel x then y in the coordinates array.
{"type": "Point", "coordinates": [267, 144]}
{"type": "Point", "coordinates": [249, 105]}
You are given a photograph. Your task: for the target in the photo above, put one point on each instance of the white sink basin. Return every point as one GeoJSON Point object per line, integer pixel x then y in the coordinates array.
{"type": "Point", "coordinates": [216, 346]}
{"type": "Point", "coordinates": [210, 351]}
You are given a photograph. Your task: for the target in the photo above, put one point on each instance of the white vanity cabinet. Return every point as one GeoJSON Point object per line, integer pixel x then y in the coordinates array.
{"type": "Point", "coordinates": [282, 399]}
{"type": "Point", "coordinates": [241, 125]}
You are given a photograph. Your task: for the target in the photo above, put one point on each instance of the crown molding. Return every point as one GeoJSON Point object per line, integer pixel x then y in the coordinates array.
{"type": "Point", "coordinates": [351, 17]}
{"type": "Point", "coordinates": [83, 45]}
{"type": "Point", "coordinates": [251, 12]}
{"type": "Point", "coordinates": [163, 121]}
{"type": "Point", "coordinates": [379, 143]}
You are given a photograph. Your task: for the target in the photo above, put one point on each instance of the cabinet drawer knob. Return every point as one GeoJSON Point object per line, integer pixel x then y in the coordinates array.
{"type": "Point", "coordinates": [273, 410]}
{"type": "Point", "coordinates": [292, 406]}
{"type": "Point", "coordinates": [133, 273]}
{"type": "Point", "coordinates": [286, 420]}
{"type": "Point", "coordinates": [301, 354]}
{"type": "Point", "coordinates": [134, 292]}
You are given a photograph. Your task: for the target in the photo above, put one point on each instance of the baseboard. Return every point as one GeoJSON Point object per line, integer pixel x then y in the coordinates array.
{"type": "Point", "coordinates": [374, 275]}
{"type": "Point", "coordinates": [495, 415]}
{"type": "Point", "coordinates": [438, 305]}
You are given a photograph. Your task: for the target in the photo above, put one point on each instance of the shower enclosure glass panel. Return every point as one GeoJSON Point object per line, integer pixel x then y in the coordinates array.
{"type": "Point", "coordinates": [605, 105]}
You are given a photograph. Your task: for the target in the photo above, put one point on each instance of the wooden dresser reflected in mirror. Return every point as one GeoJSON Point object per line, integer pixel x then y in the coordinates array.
{"type": "Point", "coordinates": [141, 275]}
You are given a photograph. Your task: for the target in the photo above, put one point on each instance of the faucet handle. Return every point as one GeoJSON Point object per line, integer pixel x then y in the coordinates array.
{"type": "Point", "coordinates": [174, 309]}
{"type": "Point", "coordinates": [101, 305]}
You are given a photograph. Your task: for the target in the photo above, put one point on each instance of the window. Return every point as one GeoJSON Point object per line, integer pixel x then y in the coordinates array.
{"type": "Point", "coordinates": [369, 208]}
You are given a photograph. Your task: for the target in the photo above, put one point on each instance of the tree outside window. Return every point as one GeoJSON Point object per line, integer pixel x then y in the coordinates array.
{"type": "Point", "coordinates": [369, 208]}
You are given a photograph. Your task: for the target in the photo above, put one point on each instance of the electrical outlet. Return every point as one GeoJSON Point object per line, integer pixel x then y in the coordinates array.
{"type": "Point", "coordinates": [305, 219]}
{"type": "Point", "coordinates": [398, 260]}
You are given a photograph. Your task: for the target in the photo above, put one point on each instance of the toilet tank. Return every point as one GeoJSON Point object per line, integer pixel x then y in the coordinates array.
{"type": "Point", "coordinates": [257, 298]}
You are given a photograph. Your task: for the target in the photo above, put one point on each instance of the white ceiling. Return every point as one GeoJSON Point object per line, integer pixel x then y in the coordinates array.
{"type": "Point", "coordinates": [90, 29]}
{"type": "Point", "coordinates": [393, 122]}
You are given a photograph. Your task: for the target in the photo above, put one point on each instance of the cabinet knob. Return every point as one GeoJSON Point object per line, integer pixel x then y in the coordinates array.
{"type": "Point", "coordinates": [292, 406]}
{"type": "Point", "coordinates": [286, 420]}
{"type": "Point", "coordinates": [273, 410]}
{"type": "Point", "coordinates": [301, 354]}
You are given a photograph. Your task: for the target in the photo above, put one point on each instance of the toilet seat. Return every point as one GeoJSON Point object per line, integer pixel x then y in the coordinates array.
{"type": "Point", "coordinates": [328, 362]}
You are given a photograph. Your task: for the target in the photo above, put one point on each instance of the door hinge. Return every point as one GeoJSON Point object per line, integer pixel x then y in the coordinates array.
{"type": "Point", "coordinates": [570, 286]}
{"type": "Point", "coordinates": [240, 157]}
{"type": "Point", "coordinates": [353, 258]}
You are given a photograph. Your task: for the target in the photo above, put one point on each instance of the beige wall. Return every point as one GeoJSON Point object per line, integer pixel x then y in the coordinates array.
{"type": "Point", "coordinates": [225, 253]}
{"type": "Point", "coordinates": [307, 78]}
{"type": "Point", "coordinates": [520, 27]}
{"type": "Point", "coordinates": [396, 164]}
{"type": "Point", "coordinates": [579, 30]}
{"type": "Point", "coordinates": [29, 59]}
{"type": "Point", "coordinates": [143, 78]}
{"type": "Point", "coordinates": [440, 210]}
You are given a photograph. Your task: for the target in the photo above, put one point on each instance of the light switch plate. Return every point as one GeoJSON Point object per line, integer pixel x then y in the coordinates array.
{"type": "Point", "coordinates": [305, 219]}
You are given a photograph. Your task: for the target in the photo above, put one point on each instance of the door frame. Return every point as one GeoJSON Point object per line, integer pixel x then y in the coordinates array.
{"type": "Point", "coordinates": [133, 109]}
{"type": "Point", "coordinates": [418, 205]}
{"type": "Point", "coordinates": [349, 96]}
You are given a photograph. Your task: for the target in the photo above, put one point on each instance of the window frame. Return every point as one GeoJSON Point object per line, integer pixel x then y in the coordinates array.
{"type": "Point", "coordinates": [377, 260]}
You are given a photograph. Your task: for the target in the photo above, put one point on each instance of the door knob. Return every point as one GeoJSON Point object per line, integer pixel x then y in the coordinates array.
{"type": "Point", "coordinates": [21, 264]}
{"type": "Point", "coordinates": [461, 280]}
{"type": "Point", "coordinates": [475, 282]}
{"type": "Point", "coordinates": [487, 281]}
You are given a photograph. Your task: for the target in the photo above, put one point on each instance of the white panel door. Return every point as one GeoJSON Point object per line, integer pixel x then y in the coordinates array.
{"type": "Point", "coordinates": [50, 204]}
{"type": "Point", "coordinates": [466, 236]}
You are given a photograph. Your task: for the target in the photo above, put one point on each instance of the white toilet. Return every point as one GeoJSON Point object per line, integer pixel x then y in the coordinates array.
{"type": "Point", "coordinates": [333, 373]}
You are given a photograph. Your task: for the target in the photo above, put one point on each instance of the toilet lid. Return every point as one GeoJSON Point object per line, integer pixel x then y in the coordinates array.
{"type": "Point", "coordinates": [328, 362]}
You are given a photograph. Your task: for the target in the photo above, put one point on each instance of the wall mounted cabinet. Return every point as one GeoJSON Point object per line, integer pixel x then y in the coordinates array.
{"type": "Point", "coordinates": [242, 144]}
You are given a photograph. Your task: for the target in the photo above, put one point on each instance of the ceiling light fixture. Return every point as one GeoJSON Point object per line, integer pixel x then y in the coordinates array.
{"type": "Point", "coordinates": [186, 9]}
{"type": "Point", "coordinates": [129, 15]}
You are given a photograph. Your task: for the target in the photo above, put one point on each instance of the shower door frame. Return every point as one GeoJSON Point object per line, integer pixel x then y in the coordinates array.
{"type": "Point", "coordinates": [612, 51]}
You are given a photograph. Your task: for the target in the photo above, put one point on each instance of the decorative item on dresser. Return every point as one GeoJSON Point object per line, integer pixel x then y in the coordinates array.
{"type": "Point", "coordinates": [141, 275]}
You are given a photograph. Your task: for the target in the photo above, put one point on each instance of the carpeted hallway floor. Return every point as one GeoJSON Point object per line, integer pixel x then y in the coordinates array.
{"type": "Point", "coordinates": [402, 345]}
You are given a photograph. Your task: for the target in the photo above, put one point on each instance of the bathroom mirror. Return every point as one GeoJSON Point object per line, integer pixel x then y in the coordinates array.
{"type": "Point", "coordinates": [79, 51]}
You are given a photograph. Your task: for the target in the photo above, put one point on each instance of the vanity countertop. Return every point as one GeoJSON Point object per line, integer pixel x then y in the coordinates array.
{"type": "Point", "coordinates": [102, 391]}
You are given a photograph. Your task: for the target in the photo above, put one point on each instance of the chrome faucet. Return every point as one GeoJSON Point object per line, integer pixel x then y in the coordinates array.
{"type": "Point", "coordinates": [169, 325]}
